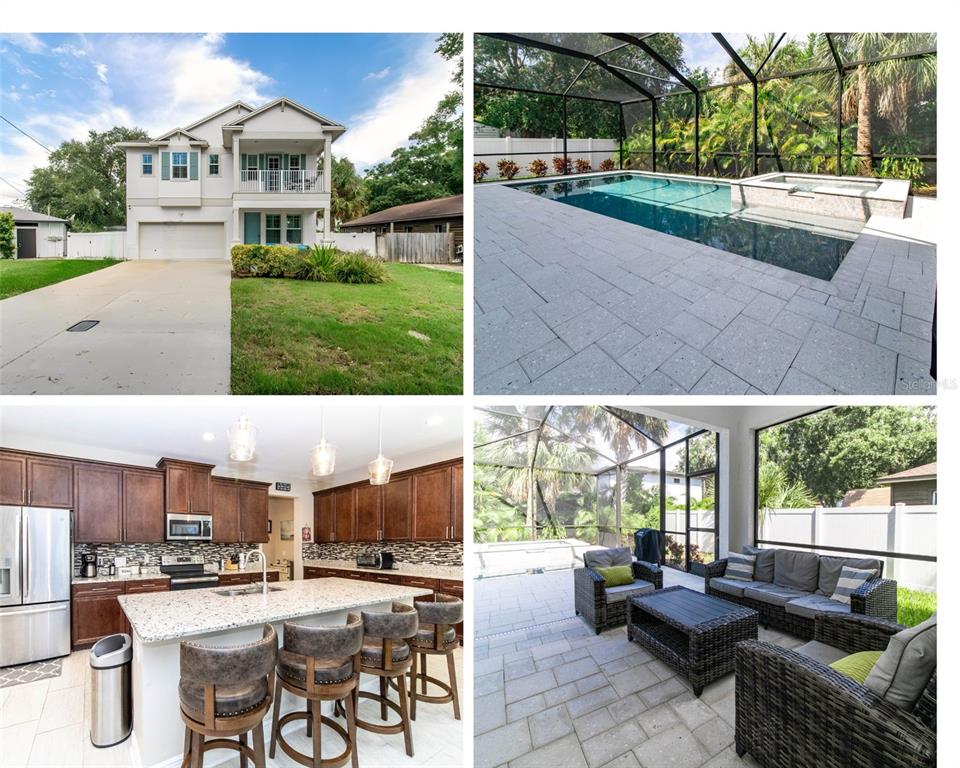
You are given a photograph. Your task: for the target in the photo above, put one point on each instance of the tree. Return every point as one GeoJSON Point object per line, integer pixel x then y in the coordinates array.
{"type": "Point", "coordinates": [8, 227]}
{"type": "Point", "coordinates": [85, 181]}
{"type": "Point", "coordinates": [776, 491]}
{"type": "Point", "coordinates": [348, 197]}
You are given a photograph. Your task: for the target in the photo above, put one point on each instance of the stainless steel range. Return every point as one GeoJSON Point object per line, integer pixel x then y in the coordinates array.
{"type": "Point", "coordinates": [186, 572]}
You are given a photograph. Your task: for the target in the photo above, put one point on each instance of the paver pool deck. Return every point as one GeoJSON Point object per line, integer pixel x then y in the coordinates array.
{"type": "Point", "coordinates": [567, 301]}
{"type": "Point", "coordinates": [164, 329]}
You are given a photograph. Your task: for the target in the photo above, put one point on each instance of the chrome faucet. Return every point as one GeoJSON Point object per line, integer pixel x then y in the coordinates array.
{"type": "Point", "coordinates": [263, 565]}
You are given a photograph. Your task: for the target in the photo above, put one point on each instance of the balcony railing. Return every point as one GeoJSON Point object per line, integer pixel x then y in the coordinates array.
{"type": "Point", "coordinates": [281, 182]}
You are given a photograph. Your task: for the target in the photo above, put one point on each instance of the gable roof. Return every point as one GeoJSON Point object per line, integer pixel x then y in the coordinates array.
{"type": "Point", "coordinates": [284, 101]}
{"type": "Point", "coordinates": [923, 472]}
{"type": "Point", "coordinates": [441, 208]}
{"type": "Point", "coordinates": [22, 214]}
{"type": "Point", "coordinates": [219, 112]}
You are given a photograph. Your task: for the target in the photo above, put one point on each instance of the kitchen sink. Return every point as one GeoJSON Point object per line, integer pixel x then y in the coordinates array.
{"type": "Point", "coordinates": [251, 590]}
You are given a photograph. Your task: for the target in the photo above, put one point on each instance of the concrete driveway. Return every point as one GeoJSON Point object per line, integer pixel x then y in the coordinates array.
{"type": "Point", "coordinates": [164, 329]}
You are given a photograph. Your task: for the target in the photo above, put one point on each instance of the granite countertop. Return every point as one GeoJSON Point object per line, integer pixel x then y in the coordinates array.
{"type": "Point", "coordinates": [453, 572]}
{"type": "Point", "coordinates": [109, 579]}
{"type": "Point", "coordinates": [160, 616]}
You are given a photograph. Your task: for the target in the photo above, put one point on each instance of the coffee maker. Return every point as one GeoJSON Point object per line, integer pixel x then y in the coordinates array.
{"type": "Point", "coordinates": [89, 568]}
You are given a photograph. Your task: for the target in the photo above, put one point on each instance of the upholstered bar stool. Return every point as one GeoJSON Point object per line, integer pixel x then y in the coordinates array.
{"type": "Point", "coordinates": [436, 636]}
{"type": "Point", "coordinates": [386, 654]}
{"type": "Point", "coordinates": [226, 692]}
{"type": "Point", "coordinates": [319, 664]}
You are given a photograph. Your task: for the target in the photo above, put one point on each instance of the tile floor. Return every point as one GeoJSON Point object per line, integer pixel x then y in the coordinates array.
{"type": "Point", "coordinates": [47, 724]}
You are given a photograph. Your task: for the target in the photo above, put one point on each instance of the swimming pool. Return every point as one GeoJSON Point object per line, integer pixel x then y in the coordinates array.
{"type": "Point", "coordinates": [701, 212]}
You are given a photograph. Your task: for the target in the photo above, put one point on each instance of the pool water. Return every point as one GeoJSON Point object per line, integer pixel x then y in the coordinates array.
{"type": "Point", "coordinates": [701, 212]}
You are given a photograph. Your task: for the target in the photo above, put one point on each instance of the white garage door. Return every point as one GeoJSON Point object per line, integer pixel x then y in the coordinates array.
{"type": "Point", "coordinates": [182, 241]}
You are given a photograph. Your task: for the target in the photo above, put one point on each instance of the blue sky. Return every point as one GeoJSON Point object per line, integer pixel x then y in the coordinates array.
{"type": "Point", "coordinates": [57, 87]}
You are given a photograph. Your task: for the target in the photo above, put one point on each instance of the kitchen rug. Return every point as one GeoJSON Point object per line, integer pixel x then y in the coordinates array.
{"type": "Point", "coordinates": [30, 673]}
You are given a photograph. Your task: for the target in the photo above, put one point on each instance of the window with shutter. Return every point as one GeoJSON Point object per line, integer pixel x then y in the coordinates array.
{"type": "Point", "coordinates": [165, 166]}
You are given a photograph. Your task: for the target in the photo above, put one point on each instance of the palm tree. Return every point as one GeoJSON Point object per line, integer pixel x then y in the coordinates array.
{"type": "Point", "coordinates": [776, 491]}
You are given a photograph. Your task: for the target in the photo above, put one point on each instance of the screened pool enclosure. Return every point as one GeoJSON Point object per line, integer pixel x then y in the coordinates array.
{"type": "Point", "coordinates": [592, 475]}
{"type": "Point", "coordinates": [723, 104]}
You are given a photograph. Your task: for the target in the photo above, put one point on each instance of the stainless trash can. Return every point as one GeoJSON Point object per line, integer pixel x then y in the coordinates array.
{"type": "Point", "coordinates": [111, 713]}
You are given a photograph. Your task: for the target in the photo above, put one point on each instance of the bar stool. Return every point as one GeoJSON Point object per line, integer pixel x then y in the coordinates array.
{"type": "Point", "coordinates": [319, 664]}
{"type": "Point", "coordinates": [226, 692]}
{"type": "Point", "coordinates": [387, 655]}
{"type": "Point", "coordinates": [436, 637]}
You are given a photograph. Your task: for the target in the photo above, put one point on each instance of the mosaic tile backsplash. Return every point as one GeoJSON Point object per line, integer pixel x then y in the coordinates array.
{"type": "Point", "coordinates": [150, 554]}
{"type": "Point", "coordinates": [420, 552]}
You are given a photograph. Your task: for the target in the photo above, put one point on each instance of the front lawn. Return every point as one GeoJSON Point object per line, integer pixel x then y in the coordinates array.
{"type": "Point", "coordinates": [20, 276]}
{"type": "Point", "coordinates": [914, 606]}
{"type": "Point", "coordinates": [296, 337]}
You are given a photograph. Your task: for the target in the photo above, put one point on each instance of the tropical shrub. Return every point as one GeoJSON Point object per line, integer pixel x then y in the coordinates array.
{"type": "Point", "coordinates": [583, 166]}
{"type": "Point", "coordinates": [507, 168]}
{"type": "Point", "coordinates": [319, 264]}
{"type": "Point", "coordinates": [359, 268]}
{"type": "Point", "coordinates": [538, 167]}
{"type": "Point", "coordinates": [561, 164]}
{"type": "Point", "coordinates": [607, 165]}
{"type": "Point", "coordinates": [480, 169]}
{"type": "Point", "coordinates": [7, 229]}
{"type": "Point", "coordinates": [322, 263]}
{"type": "Point", "coordinates": [900, 160]}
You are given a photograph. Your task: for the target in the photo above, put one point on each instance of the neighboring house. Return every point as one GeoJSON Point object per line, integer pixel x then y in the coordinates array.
{"type": "Point", "coordinates": [676, 487]}
{"type": "Point", "coordinates": [240, 175]}
{"type": "Point", "coordinates": [484, 131]}
{"type": "Point", "coordinates": [916, 486]}
{"type": "Point", "coordinates": [442, 215]}
{"type": "Point", "coordinates": [38, 236]}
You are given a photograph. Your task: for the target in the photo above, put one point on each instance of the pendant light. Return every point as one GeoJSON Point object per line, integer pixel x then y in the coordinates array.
{"type": "Point", "coordinates": [243, 440]}
{"type": "Point", "coordinates": [380, 467]}
{"type": "Point", "coordinates": [323, 456]}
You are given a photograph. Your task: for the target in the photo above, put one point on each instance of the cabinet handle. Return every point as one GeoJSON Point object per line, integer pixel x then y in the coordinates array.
{"type": "Point", "coordinates": [29, 495]}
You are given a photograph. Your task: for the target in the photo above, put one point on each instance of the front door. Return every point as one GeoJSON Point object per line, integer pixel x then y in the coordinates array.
{"type": "Point", "coordinates": [273, 173]}
{"type": "Point", "coordinates": [26, 243]}
{"type": "Point", "coordinates": [251, 227]}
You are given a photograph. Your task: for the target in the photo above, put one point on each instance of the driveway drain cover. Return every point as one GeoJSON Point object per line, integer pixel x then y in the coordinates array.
{"type": "Point", "coordinates": [83, 325]}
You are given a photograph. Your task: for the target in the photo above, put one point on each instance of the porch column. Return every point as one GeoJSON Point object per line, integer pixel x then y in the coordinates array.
{"type": "Point", "coordinates": [327, 166]}
{"type": "Point", "coordinates": [327, 233]}
{"type": "Point", "coordinates": [237, 233]}
{"type": "Point", "coordinates": [236, 162]}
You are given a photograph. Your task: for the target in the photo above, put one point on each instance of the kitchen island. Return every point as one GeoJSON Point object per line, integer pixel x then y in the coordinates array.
{"type": "Point", "coordinates": [212, 616]}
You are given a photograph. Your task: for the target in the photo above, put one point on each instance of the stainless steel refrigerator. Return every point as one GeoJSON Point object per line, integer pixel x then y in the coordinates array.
{"type": "Point", "coordinates": [35, 569]}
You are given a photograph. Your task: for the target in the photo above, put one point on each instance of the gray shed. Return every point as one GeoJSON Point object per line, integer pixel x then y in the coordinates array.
{"type": "Point", "coordinates": [38, 235]}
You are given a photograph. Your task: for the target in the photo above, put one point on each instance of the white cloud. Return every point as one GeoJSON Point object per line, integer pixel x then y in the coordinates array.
{"type": "Point", "coordinates": [378, 75]}
{"type": "Point", "coordinates": [102, 70]}
{"type": "Point", "coordinates": [26, 40]}
{"type": "Point", "coordinates": [66, 49]}
{"type": "Point", "coordinates": [372, 135]}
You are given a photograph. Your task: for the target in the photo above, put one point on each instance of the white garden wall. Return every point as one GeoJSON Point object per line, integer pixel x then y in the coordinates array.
{"type": "Point", "coordinates": [525, 151]}
{"type": "Point", "coordinates": [356, 241]}
{"type": "Point", "coordinates": [96, 245]}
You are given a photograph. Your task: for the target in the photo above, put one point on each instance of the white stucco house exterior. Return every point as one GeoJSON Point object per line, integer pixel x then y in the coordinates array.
{"type": "Point", "coordinates": [240, 175]}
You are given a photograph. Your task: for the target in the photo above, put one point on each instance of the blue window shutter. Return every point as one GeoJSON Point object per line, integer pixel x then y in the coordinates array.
{"type": "Point", "coordinates": [243, 161]}
{"type": "Point", "coordinates": [285, 162]}
{"type": "Point", "coordinates": [260, 163]}
{"type": "Point", "coordinates": [303, 162]}
{"type": "Point", "coordinates": [194, 166]}
{"type": "Point", "coordinates": [165, 166]}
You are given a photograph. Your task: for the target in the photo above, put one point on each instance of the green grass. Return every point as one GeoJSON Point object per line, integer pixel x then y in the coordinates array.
{"type": "Point", "coordinates": [18, 276]}
{"type": "Point", "coordinates": [914, 606]}
{"type": "Point", "coordinates": [299, 337]}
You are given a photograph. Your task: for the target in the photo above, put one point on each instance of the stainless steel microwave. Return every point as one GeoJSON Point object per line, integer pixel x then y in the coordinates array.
{"type": "Point", "coordinates": [189, 527]}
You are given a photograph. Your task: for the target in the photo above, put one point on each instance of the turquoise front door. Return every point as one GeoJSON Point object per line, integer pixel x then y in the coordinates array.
{"type": "Point", "coordinates": [251, 227]}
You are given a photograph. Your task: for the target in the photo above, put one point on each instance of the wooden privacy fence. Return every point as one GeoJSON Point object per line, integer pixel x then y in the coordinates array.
{"type": "Point", "coordinates": [416, 247]}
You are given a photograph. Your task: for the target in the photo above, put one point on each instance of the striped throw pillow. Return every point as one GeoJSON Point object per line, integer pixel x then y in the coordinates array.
{"type": "Point", "coordinates": [851, 579]}
{"type": "Point", "coordinates": [740, 566]}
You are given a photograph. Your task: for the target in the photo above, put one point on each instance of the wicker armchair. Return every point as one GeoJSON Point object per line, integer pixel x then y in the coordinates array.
{"type": "Point", "coordinates": [876, 598]}
{"type": "Point", "coordinates": [590, 595]}
{"type": "Point", "coordinates": [793, 711]}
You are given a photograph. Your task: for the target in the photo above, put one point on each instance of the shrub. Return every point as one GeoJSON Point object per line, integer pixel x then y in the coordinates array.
{"type": "Point", "coordinates": [507, 168]}
{"type": "Point", "coordinates": [561, 165]}
{"type": "Point", "coordinates": [359, 268]}
{"type": "Point", "coordinates": [607, 165]}
{"type": "Point", "coordinates": [583, 166]}
{"type": "Point", "coordinates": [538, 167]}
{"type": "Point", "coordinates": [319, 264]}
{"type": "Point", "coordinates": [267, 260]}
{"type": "Point", "coordinates": [7, 228]}
{"type": "Point", "coordinates": [480, 170]}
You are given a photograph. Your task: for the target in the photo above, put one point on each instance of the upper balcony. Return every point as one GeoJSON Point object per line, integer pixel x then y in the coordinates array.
{"type": "Point", "coordinates": [281, 182]}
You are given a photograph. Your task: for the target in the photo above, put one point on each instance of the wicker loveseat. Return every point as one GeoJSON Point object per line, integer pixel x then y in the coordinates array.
{"type": "Point", "coordinates": [793, 710]}
{"type": "Point", "coordinates": [601, 606]}
{"type": "Point", "coordinates": [791, 588]}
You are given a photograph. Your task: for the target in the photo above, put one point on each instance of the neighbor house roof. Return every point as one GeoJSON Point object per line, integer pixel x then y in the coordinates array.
{"type": "Point", "coordinates": [923, 472]}
{"type": "Point", "coordinates": [441, 208]}
{"type": "Point", "coordinates": [22, 214]}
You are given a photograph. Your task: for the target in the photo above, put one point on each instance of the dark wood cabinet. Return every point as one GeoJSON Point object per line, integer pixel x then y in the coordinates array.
{"type": "Point", "coordinates": [254, 512]}
{"type": "Point", "coordinates": [240, 511]}
{"type": "Point", "coordinates": [13, 478]}
{"type": "Point", "coordinates": [187, 488]}
{"type": "Point", "coordinates": [431, 504]}
{"type": "Point", "coordinates": [143, 507]}
{"type": "Point", "coordinates": [49, 482]}
{"type": "Point", "coordinates": [95, 612]}
{"type": "Point", "coordinates": [246, 577]}
{"type": "Point", "coordinates": [225, 509]}
{"type": "Point", "coordinates": [345, 515]}
{"type": "Point", "coordinates": [456, 522]}
{"type": "Point", "coordinates": [397, 509]}
{"type": "Point", "coordinates": [369, 521]}
{"type": "Point", "coordinates": [98, 511]}
{"type": "Point", "coordinates": [323, 518]}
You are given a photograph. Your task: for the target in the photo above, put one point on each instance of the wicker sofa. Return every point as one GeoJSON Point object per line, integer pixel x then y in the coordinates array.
{"type": "Point", "coordinates": [793, 710]}
{"type": "Point", "coordinates": [784, 605]}
{"type": "Point", "coordinates": [604, 607]}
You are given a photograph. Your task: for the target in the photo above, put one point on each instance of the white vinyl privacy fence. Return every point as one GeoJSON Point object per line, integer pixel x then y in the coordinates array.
{"type": "Point", "coordinates": [95, 245]}
{"type": "Point", "coordinates": [525, 151]}
{"type": "Point", "coordinates": [356, 242]}
{"type": "Point", "coordinates": [901, 529]}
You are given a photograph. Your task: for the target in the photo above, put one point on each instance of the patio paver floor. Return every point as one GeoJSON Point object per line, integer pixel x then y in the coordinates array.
{"type": "Point", "coordinates": [572, 302]}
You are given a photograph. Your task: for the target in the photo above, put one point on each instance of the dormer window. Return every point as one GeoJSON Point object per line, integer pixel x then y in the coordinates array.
{"type": "Point", "coordinates": [178, 163]}
{"type": "Point", "coordinates": [146, 164]}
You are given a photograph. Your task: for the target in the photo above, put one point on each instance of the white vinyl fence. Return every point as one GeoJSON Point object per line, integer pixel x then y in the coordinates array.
{"type": "Point", "coordinates": [356, 242]}
{"type": "Point", "coordinates": [909, 530]}
{"type": "Point", "coordinates": [525, 151]}
{"type": "Point", "coordinates": [95, 245]}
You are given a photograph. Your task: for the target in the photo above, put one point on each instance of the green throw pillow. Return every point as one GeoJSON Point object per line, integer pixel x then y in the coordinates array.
{"type": "Point", "coordinates": [857, 666]}
{"type": "Point", "coordinates": [616, 575]}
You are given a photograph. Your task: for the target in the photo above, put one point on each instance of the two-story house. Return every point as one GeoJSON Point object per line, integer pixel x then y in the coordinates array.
{"type": "Point", "coordinates": [240, 175]}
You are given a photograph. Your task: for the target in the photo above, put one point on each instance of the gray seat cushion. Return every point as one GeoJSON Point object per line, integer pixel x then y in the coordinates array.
{"type": "Point", "coordinates": [426, 636]}
{"type": "Point", "coordinates": [293, 667]}
{"type": "Point", "coordinates": [733, 587]}
{"type": "Point", "coordinates": [773, 594]}
{"type": "Point", "coordinates": [763, 567]}
{"type": "Point", "coordinates": [624, 591]}
{"type": "Point", "coordinates": [811, 605]}
{"type": "Point", "coordinates": [796, 570]}
{"type": "Point", "coordinates": [905, 668]}
{"type": "Point", "coordinates": [605, 558]}
{"type": "Point", "coordinates": [372, 652]}
{"type": "Point", "coordinates": [825, 654]}
{"type": "Point", "coordinates": [830, 571]}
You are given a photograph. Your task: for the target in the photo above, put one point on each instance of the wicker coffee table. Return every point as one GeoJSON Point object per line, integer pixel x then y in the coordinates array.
{"type": "Point", "coordinates": [692, 632]}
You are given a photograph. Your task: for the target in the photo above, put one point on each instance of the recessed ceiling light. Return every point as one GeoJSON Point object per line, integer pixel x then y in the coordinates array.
{"type": "Point", "coordinates": [209, 436]}
{"type": "Point", "coordinates": [434, 421]}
